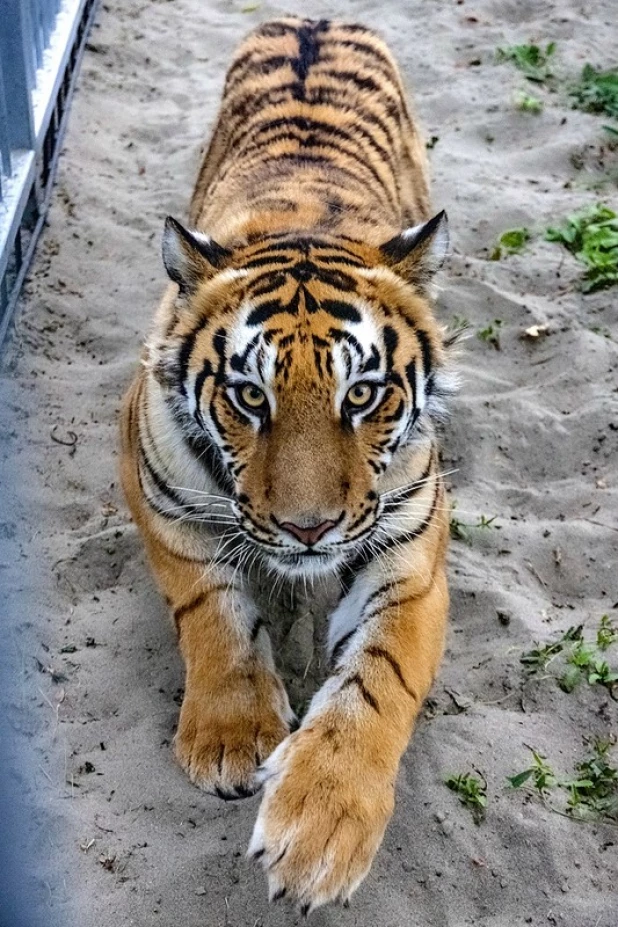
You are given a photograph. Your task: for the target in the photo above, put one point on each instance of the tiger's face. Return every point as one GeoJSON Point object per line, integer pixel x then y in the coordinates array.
{"type": "Point", "coordinates": [306, 366]}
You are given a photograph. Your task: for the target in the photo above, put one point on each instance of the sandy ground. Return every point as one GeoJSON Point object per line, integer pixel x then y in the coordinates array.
{"type": "Point", "coordinates": [119, 836]}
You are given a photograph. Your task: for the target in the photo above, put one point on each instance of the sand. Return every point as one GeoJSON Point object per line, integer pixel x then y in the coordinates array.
{"type": "Point", "coordinates": [115, 832]}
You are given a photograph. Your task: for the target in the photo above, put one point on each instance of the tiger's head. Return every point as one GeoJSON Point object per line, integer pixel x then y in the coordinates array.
{"type": "Point", "coordinates": [302, 368]}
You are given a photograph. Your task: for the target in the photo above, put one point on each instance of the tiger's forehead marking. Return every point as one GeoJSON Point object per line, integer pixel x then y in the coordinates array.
{"type": "Point", "coordinates": [338, 338]}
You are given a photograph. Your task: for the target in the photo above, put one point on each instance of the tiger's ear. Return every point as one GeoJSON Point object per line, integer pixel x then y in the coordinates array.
{"type": "Point", "coordinates": [189, 256]}
{"type": "Point", "coordinates": [418, 252]}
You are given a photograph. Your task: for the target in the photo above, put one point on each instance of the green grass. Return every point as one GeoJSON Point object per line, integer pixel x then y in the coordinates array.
{"type": "Point", "coordinates": [471, 791]}
{"type": "Point", "coordinates": [592, 236]}
{"type": "Point", "coordinates": [532, 60]}
{"type": "Point", "coordinates": [597, 91]}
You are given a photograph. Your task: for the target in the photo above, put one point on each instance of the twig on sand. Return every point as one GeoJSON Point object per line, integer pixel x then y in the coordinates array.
{"type": "Point", "coordinates": [69, 441]}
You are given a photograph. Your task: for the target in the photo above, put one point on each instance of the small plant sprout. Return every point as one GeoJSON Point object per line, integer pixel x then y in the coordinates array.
{"type": "Point", "coordinates": [460, 530]}
{"type": "Point", "coordinates": [594, 793]}
{"type": "Point", "coordinates": [607, 633]}
{"type": "Point", "coordinates": [539, 775]}
{"type": "Point", "coordinates": [511, 242]}
{"type": "Point", "coordinates": [597, 91]}
{"type": "Point", "coordinates": [603, 675]}
{"type": "Point", "coordinates": [528, 104]}
{"type": "Point", "coordinates": [583, 659]}
{"type": "Point", "coordinates": [540, 656]}
{"type": "Point", "coordinates": [592, 236]}
{"type": "Point", "coordinates": [532, 60]}
{"type": "Point", "coordinates": [471, 791]}
{"type": "Point", "coordinates": [491, 333]}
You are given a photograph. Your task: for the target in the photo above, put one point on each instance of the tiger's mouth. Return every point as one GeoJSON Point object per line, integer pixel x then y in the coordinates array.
{"type": "Point", "coordinates": [319, 559]}
{"type": "Point", "coordinates": [308, 563]}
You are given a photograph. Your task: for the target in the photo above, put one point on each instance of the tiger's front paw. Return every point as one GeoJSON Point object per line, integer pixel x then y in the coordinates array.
{"type": "Point", "coordinates": [225, 732]}
{"type": "Point", "coordinates": [325, 809]}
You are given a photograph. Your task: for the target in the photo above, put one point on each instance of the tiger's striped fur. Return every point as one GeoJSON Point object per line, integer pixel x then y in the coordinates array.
{"type": "Point", "coordinates": [284, 416]}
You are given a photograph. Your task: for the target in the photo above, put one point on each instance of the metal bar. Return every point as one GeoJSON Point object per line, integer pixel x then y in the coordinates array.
{"type": "Point", "coordinates": [25, 196]}
{"type": "Point", "coordinates": [14, 50]}
{"type": "Point", "coordinates": [5, 143]}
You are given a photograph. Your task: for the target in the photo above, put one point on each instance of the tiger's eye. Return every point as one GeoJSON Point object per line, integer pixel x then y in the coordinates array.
{"type": "Point", "coordinates": [252, 396]}
{"type": "Point", "coordinates": [360, 395]}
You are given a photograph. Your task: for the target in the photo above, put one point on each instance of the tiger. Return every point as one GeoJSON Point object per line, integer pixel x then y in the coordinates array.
{"type": "Point", "coordinates": [285, 417]}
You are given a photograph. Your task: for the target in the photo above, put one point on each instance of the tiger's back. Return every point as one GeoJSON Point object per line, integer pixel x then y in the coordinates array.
{"type": "Point", "coordinates": [314, 131]}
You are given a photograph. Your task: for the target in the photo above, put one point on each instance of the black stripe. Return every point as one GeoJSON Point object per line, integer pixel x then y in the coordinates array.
{"type": "Point", "coordinates": [205, 372]}
{"type": "Point", "coordinates": [304, 124]}
{"type": "Point", "coordinates": [301, 159]}
{"type": "Point", "coordinates": [238, 362]}
{"type": "Point", "coordinates": [410, 491]}
{"type": "Point", "coordinates": [356, 680]}
{"type": "Point", "coordinates": [276, 29]}
{"type": "Point", "coordinates": [308, 48]}
{"type": "Point", "coordinates": [362, 47]}
{"type": "Point", "coordinates": [374, 595]}
{"type": "Point", "coordinates": [341, 310]}
{"type": "Point", "coordinates": [265, 262]}
{"type": "Point", "coordinates": [425, 344]}
{"type": "Point", "coordinates": [162, 486]}
{"type": "Point", "coordinates": [382, 654]}
{"type": "Point", "coordinates": [290, 241]}
{"type": "Point", "coordinates": [340, 645]}
{"type": "Point", "coordinates": [411, 378]}
{"type": "Point", "coordinates": [271, 307]}
{"type": "Point", "coordinates": [184, 355]}
{"type": "Point", "coordinates": [351, 77]}
{"type": "Point", "coordinates": [250, 64]}
{"type": "Point", "coordinates": [349, 571]}
{"type": "Point", "coordinates": [208, 454]}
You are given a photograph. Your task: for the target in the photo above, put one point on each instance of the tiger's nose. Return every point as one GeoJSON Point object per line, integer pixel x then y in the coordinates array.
{"type": "Point", "coordinates": [308, 535]}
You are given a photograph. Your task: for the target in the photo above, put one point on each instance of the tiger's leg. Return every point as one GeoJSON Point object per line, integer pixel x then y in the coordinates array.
{"type": "Point", "coordinates": [235, 709]}
{"type": "Point", "coordinates": [329, 788]}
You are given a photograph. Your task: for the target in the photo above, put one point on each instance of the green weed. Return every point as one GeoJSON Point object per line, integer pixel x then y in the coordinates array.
{"type": "Point", "coordinates": [607, 633]}
{"type": "Point", "coordinates": [460, 530]}
{"type": "Point", "coordinates": [592, 791]}
{"type": "Point", "coordinates": [491, 333]}
{"type": "Point", "coordinates": [471, 791]}
{"type": "Point", "coordinates": [597, 91]}
{"type": "Point", "coordinates": [583, 658]}
{"type": "Point", "coordinates": [532, 60]}
{"type": "Point", "coordinates": [540, 775]}
{"type": "Point", "coordinates": [513, 241]}
{"type": "Point", "coordinates": [592, 236]}
{"type": "Point", "coordinates": [528, 104]}
{"type": "Point", "coordinates": [595, 790]}
{"type": "Point", "coordinates": [539, 657]}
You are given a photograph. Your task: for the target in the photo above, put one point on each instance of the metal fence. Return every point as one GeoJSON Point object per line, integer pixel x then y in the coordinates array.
{"type": "Point", "coordinates": [41, 42]}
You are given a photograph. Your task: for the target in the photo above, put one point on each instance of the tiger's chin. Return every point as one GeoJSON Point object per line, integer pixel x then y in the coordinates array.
{"type": "Point", "coordinates": [310, 565]}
